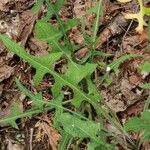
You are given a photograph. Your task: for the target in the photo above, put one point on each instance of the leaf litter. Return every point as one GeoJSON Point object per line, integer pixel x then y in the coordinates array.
{"type": "Point", "coordinates": [121, 95]}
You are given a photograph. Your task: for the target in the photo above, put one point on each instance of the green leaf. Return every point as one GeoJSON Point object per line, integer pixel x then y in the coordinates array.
{"type": "Point", "coordinates": [11, 119]}
{"type": "Point", "coordinates": [96, 24]}
{"type": "Point", "coordinates": [49, 33]}
{"type": "Point", "coordinates": [37, 6]}
{"type": "Point", "coordinates": [87, 39]}
{"type": "Point", "coordinates": [44, 65]}
{"type": "Point", "coordinates": [115, 64]}
{"type": "Point", "coordinates": [58, 5]}
{"type": "Point", "coordinates": [146, 86]}
{"type": "Point", "coordinates": [95, 146]}
{"type": "Point", "coordinates": [17, 114]}
{"type": "Point", "coordinates": [145, 67]}
{"type": "Point", "coordinates": [56, 8]}
{"type": "Point", "coordinates": [94, 9]}
{"type": "Point", "coordinates": [71, 23]}
{"type": "Point", "coordinates": [77, 127]}
{"type": "Point", "coordinates": [37, 99]}
{"type": "Point", "coordinates": [139, 124]}
{"type": "Point", "coordinates": [64, 140]}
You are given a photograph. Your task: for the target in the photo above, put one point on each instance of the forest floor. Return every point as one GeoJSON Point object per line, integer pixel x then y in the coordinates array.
{"type": "Point", "coordinates": [117, 37]}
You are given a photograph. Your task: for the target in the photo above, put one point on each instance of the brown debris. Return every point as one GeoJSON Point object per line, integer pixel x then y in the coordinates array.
{"type": "Point", "coordinates": [114, 28]}
{"type": "Point", "coordinates": [1, 89]}
{"type": "Point", "coordinates": [27, 20]}
{"type": "Point", "coordinates": [14, 146]}
{"type": "Point", "coordinates": [45, 128]}
{"type": "Point", "coordinates": [3, 3]}
{"type": "Point", "coordinates": [76, 36]}
{"type": "Point", "coordinates": [82, 53]}
{"type": "Point", "coordinates": [38, 47]}
{"type": "Point", "coordinates": [120, 95]}
{"type": "Point", "coordinates": [9, 25]}
{"type": "Point", "coordinates": [81, 6]}
{"type": "Point", "coordinates": [5, 72]}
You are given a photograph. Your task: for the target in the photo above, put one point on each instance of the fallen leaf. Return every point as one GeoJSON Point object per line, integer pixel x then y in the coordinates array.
{"type": "Point", "coordinates": [46, 128]}
{"type": "Point", "coordinates": [5, 72]}
{"type": "Point", "coordinates": [27, 20]}
{"type": "Point", "coordinates": [3, 3]}
{"type": "Point", "coordinates": [14, 146]}
{"type": "Point", "coordinates": [38, 47]}
{"type": "Point", "coordinates": [134, 79]}
{"type": "Point", "coordinates": [1, 89]}
{"type": "Point", "coordinates": [83, 52]}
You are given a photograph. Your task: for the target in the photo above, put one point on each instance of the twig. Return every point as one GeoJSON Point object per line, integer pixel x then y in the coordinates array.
{"type": "Point", "coordinates": [31, 138]}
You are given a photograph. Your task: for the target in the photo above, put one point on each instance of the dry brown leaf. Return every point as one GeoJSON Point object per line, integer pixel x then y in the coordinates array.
{"type": "Point", "coordinates": [14, 146]}
{"type": "Point", "coordinates": [80, 7]}
{"type": "Point", "coordinates": [83, 52]}
{"type": "Point", "coordinates": [3, 3]}
{"type": "Point", "coordinates": [45, 128]}
{"type": "Point", "coordinates": [134, 79]}
{"type": "Point", "coordinates": [9, 25]}
{"type": "Point", "coordinates": [1, 89]}
{"type": "Point", "coordinates": [38, 47]}
{"type": "Point", "coordinates": [121, 94]}
{"type": "Point", "coordinates": [76, 36]}
{"type": "Point", "coordinates": [5, 72]}
{"type": "Point", "coordinates": [146, 146]}
{"type": "Point", "coordinates": [26, 24]}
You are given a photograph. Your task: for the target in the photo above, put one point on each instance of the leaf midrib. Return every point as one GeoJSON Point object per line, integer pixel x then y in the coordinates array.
{"type": "Point", "coordinates": [28, 58]}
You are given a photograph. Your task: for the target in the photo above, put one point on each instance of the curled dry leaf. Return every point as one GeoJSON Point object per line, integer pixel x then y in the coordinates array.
{"type": "Point", "coordinates": [83, 52]}
{"type": "Point", "coordinates": [75, 36]}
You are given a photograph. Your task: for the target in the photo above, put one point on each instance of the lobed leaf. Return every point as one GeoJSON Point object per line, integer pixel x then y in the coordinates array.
{"type": "Point", "coordinates": [77, 127]}
{"type": "Point", "coordinates": [139, 124]}
{"type": "Point", "coordinates": [48, 33]}
{"type": "Point", "coordinates": [44, 65]}
{"type": "Point", "coordinates": [115, 64]}
{"type": "Point", "coordinates": [16, 114]}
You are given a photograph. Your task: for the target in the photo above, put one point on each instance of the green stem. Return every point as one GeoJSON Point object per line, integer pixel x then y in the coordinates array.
{"type": "Point", "coordinates": [96, 24]}
{"type": "Point", "coordinates": [61, 25]}
{"type": "Point", "coordinates": [146, 106]}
